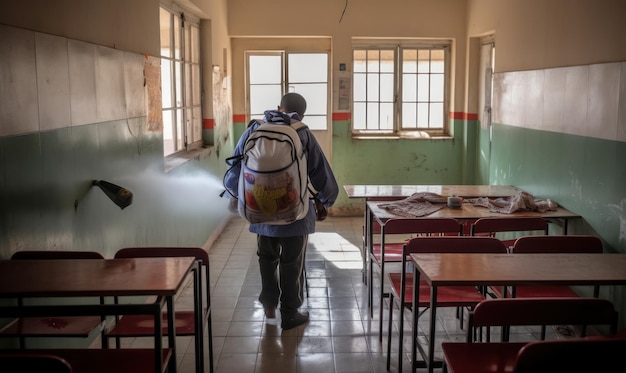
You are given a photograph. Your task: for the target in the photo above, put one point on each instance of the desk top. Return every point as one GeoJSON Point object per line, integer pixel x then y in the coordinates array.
{"type": "Point", "coordinates": [93, 277]}
{"type": "Point", "coordinates": [521, 269]}
{"type": "Point", "coordinates": [469, 211]}
{"type": "Point", "coordinates": [465, 191]}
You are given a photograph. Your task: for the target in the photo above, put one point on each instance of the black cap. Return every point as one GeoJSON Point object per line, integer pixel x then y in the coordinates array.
{"type": "Point", "coordinates": [293, 102]}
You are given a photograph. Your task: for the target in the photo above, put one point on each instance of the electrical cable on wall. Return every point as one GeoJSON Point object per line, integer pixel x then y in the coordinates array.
{"type": "Point", "coordinates": [344, 11]}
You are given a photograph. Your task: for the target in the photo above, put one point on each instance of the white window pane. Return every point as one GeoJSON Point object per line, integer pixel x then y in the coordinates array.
{"type": "Point", "coordinates": [409, 87]}
{"type": "Point", "coordinates": [195, 80]}
{"type": "Point", "coordinates": [386, 116]}
{"type": "Point", "coordinates": [316, 122]}
{"type": "Point", "coordinates": [373, 63]}
{"type": "Point", "coordinates": [409, 118]}
{"type": "Point", "coordinates": [308, 68]}
{"type": "Point", "coordinates": [195, 44]}
{"type": "Point", "coordinates": [166, 32]}
{"type": "Point", "coordinates": [386, 88]}
{"type": "Point", "coordinates": [423, 87]}
{"type": "Point", "coordinates": [372, 87]}
{"type": "Point", "coordinates": [423, 61]}
{"type": "Point", "coordinates": [178, 84]}
{"type": "Point", "coordinates": [422, 115]}
{"type": "Point", "coordinates": [265, 69]}
{"type": "Point", "coordinates": [168, 132]}
{"type": "Point", "coordinates": [359, 87]}
{"type": "Point", "coordinates": [409, 61]}
{"type": "Point", "coordinates": [358, 116]}
{"type": "Point", "coordinates": [166, 83]}
{"type": "Point", "coordinates": [437, 61]}
{"type": "Point", "coordinates": [436, 87]}
{"type": "Point", "coordinates": [179, 130]}
{"type": "Point", "coordinates": [372, 116]}
{"type": "Point", "coordinates": [197, 123]}
{"type": "Point", "coordinates": [387, 61]}
{"type": "Point", "coordinates": [177, 37]}
{"type": "Point", "coordinates": [358, 64]}
{"type": "Point", "coordinates": [436, 115]}
{"type": "Point", "coordinates": [264, 97]}
{"type": "Point", "coordinates": [316, 96]}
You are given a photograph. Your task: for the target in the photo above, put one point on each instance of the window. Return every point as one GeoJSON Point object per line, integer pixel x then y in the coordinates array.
{"type": "Point", "coordinates": [272, 74]}
{"type": "Point", "coordinates": [180, 81]}
{"type": "Point", "coordinates": [400, 89]}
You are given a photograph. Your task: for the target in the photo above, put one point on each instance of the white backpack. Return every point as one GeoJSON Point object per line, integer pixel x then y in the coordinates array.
{"type": "Point", "coordinates": [273, 180]}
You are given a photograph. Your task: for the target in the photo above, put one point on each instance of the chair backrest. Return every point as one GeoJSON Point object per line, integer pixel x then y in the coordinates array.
{"type": "Point", "coordinates": [558, 244]}
{"type": "Point", "coordinates": [423, 226]}
{"type": "Point", "coordinates": [543, 311]}
{"type": "Point", "coordinates": [55, 254]}
{"type": "Point", "coordinates": [160, 252]}
{"type": "Point", "coordinates": [509, 224]}
{"type": "Point", "coordinates": [454, 244]}
{"type": "Point", "coordinates": [574, 355]}
{"type": "Point", "coordinates": [33, 362]}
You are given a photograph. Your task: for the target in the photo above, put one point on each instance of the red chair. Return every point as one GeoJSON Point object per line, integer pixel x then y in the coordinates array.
{"type": "Point", "coordinates": [447, 296]}
{"type": "Point", "coordinates": [384, 252]}
{"type": "Point", "coordinates": [494, 225]}
{"type": "Point", "coordinates": [572, 356]}
{"type": "Point", "coordinates": [554, 244]}
{"type": "Point", "coordinates": [33, 362]}
{"type": "Point", "coordinates": [141, 325]}
{"type": "Point", "coordinates": [63, 326]}
{"type": "Point", "coordinates": [491, 356]}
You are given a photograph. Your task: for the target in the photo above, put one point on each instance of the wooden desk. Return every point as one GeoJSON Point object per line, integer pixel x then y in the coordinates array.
{"type": "Point", "coordinates": [506, 269]}
{"type": "Point", "coordinates": [160, 277]}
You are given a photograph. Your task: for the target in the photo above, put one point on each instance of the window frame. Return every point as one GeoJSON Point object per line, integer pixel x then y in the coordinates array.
{"type": "Point", "coordinates": [184, 79]}
{"type": "Point", "coordinates": [398, 46]}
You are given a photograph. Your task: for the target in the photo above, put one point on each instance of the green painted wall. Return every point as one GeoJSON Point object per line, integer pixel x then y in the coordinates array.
{"type": "Point", "coordinates": [583, 174]}
{"type": "Point", "coordinates": [398, 161]}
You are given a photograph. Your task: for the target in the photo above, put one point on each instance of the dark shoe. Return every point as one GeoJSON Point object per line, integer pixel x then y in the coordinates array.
{"type": "Point", "coordinates": [297, 319]}
{"type": "Point", "coordinates": [270, 312]}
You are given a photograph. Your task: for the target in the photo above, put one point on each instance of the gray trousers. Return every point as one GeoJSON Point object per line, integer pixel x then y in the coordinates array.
{"type": "Point", "coordinates": [281, 261]}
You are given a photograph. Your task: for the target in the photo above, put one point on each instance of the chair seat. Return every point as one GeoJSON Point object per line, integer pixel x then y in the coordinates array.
{"type": "Point", "coordinates": [73, 326]}
{"type": "Point", "coordinates": [143, 325]}
{"type": "Point", "coordinates": [393, 252]}
{"type": "Point", "coordinates": [95, 360]}
{"type": "Point", "coordinates": [481, 357]}
{"type": "Point", "coordinates": [450, 296]}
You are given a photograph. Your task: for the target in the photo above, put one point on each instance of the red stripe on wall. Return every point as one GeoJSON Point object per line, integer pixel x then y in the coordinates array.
{"type": "Point", "coordinates": [208, 123]}
{"type": "Point", "coordinates": [342, 116]}
{"type": "Point", "coordinates": [239, 118]}
{"type": "Point", "coordinates": [463, 116]}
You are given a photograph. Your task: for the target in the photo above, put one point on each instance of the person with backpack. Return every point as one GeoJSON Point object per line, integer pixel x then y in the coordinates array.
{"type": "Point", "coordinates": [281, 244]}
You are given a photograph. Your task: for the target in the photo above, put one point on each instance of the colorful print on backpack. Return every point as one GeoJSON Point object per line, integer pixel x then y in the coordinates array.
{"type": "Point", "coordinates": [273, 180]}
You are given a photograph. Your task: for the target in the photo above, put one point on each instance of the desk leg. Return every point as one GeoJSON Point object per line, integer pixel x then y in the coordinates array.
{"type": "Point", "coordinates": [364, 253]}
{"type": "Point", "coordinates": [199, 325]}
{"type": "Point", "coordinates": [433, 325]}
{"type": "Point", "coordinates": [171, 335]}
{"type": "Point", "coordinates": [158, 339]}
{"type": "Point", "coordinates": [415, 313]}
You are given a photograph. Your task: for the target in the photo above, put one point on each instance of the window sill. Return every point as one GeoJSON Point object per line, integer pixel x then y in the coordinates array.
{"type": "Point", "coordinates": [179, 159]}
{"type": "Point", "coordinates": [405, 136]}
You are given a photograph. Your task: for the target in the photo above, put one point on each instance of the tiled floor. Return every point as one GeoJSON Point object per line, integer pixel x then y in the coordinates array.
{"type": "Point", "coordinates": [341, 337]}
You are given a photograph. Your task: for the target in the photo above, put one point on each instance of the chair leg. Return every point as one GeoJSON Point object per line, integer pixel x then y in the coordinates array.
{"type": "Point", "coordinates": [389, 331]}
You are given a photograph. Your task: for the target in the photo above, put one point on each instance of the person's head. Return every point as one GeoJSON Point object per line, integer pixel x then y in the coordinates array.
{"type": "Point", "coordinates": [293, 102]}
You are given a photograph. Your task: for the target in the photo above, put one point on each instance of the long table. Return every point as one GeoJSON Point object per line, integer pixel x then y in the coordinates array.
{"type": "Point", "coordinates": [389, 192]}
{"type": "Point", "coordinates": [159, 277]}
{"type": "Point", "coordinates": [505, 270]}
